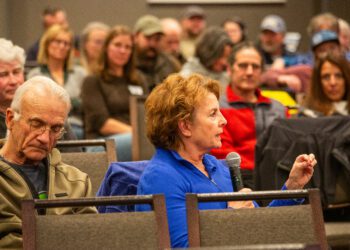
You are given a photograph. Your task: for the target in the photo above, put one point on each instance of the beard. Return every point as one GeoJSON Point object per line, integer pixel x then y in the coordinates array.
{"type": "Point", "coordinates": [147, 58]}
{"type": "Point", "coordinates": [147, 54]}
{"type": "Point", "coordinates": [270, 48]}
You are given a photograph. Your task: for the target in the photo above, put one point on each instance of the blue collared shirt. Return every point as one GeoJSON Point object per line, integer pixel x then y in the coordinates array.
{"type": "Point", "coordinates": [168, 173]}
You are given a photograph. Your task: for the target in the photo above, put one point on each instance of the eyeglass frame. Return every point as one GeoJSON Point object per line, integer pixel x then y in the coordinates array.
{"type": "Point", "coordinates": [60, 41]}
{"type": "Point", "coordinates": [41, 128]}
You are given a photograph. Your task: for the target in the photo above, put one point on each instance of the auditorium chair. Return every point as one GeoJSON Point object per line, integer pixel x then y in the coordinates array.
{"type": "Point", "coordinates": [121, 179]}
{"type": "Point", "coordinates": [328, 138]}
{"type": "Point", "coordinates": [130, 230]}
{"type": "Point", "coordinates": [142, 149]}
{"type": "Point", "coordinates": [300, 224]}
{"type": "Point", "coordinates": [95, 164]}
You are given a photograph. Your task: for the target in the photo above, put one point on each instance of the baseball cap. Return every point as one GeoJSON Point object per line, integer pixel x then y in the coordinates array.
{"type": "Point", "coordinates": [273, 23]}
{"type": "Point", "coordinates": [193, 11]}
{"type": "Point", "coordinates": [322, 37]}
{"type": "Point", "coordinates": [148, 25]}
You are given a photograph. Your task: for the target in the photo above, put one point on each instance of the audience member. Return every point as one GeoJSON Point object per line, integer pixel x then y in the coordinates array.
{"type": "Point", "coordinates": [50, 16]}
{"type": "Point", "coordinates": [281, 71]}
{"type": "Point", "coordinates": [55, 61]}
{"type": "Point", "coordinates": [271, 43]}
{"type": "Point", "coordinates": [91, 42]}
{"type": "Point", "coordinates": [12, 60]}
{"type": "Point", "coordinates": [154, 64]}
{"type": "Point", "coordinates": [236, 29]}
{"type": "Point", "coordinates": [323, 21]}
{"type": "Point", "coordinates": [247, 111]}
{"type": "Point", "coordinates": [211, 58]}
{"type": "Point", "coordinates": [171, 40]}
{"type": "Point", "coordinates": [193, 22]}
{"type": "Point", "coordinates": [297, 78]}
{"type": "Point", "coordinates": [329, 92]}
{"type": "Point", "coordinates": [183, 121]}
{"type": "Point", "coordinates": [324, 42]}
{"type": "Point", "coordinates": [344, 36]}
{"type": "Point", "coordinates": [30, 166]}
{"type": "Point", "coordinates": [105, 95]}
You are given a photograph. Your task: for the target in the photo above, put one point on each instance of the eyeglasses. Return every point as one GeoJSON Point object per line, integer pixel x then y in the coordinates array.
{"type": "Point", "coordinates": [39, 127]}
{"type": "Point", "coordinates": [63, 42]}
{"type": "Point", "coordinates": [245, 66]}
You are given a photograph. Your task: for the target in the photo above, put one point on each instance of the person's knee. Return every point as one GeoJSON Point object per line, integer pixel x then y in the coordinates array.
{"type": "Point", "coordinates": [123, 143]}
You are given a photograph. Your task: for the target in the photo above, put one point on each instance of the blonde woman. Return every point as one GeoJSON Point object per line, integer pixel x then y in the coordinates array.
{"type": "Point", "coordinates": [55, 61]}
{"type": "Point", "coordinates": [91, 43]}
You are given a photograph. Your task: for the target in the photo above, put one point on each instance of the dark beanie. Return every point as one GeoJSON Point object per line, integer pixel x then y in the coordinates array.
{"type": "Point", "coordinates": [211, 45]}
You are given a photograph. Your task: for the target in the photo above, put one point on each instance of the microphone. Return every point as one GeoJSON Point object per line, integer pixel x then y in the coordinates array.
{"type": "Point", "coordinates": [233, 161]}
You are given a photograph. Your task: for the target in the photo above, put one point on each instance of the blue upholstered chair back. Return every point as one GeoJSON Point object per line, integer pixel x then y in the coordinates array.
{"type": "Point", "coordinates": [121, 179]}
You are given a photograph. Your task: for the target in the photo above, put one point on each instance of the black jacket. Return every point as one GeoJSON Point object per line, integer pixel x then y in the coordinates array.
{"type": "Point", "coordinates": [328, 138]}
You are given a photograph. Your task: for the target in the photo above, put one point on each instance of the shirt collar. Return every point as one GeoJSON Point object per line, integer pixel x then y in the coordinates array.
{"type": "Point", "coordinates": [232, 97]}
{"type": "Point", "coordinates": [45, 69]}
{"type": "Point", "coordinates": [209, 165]}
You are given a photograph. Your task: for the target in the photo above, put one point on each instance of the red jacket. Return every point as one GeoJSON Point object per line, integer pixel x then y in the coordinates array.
{"type": "Point", "coordinates": [245, 122]}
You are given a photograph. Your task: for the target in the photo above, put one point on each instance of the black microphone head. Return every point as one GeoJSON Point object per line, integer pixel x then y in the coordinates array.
{"type": "Point", "coordinates": [233, 159]}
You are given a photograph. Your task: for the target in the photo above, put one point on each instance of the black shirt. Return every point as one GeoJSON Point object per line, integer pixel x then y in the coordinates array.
{"type": "Point", "coordinates": [35, 174]}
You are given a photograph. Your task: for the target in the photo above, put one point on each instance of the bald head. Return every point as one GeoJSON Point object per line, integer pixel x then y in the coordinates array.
{"type": "Point", "coordinates": [172, 33]}
{"type": "Point", "coordinates": [40, 87]}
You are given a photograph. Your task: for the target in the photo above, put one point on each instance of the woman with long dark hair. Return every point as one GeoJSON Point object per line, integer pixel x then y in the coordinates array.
{"type": "Point", "coordinates": [329, 92]}
{"type": "Point", "coordinates": [105, 94]}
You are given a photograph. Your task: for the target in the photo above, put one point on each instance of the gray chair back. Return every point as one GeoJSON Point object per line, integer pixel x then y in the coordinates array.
{"type": "Point", "coordinates": [129, 230]}
{"type": "Point", "coordinates": [301, 224]}
{"type": "Point", "coordinates": [142, 148]}
{"type": "Point", "coordinates": [95, 164]}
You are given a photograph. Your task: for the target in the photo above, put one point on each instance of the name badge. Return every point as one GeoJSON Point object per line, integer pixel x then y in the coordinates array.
{"type": "Point", "coordinates": [135, 90]}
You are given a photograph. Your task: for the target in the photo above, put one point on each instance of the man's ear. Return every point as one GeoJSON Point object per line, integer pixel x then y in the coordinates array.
{"type": "Point", "coordinates": [185, 128]}
{"type": "Point", "coordinates": [10, 118]}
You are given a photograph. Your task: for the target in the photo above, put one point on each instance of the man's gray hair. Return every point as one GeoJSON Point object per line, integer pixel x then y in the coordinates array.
{"type": "Point", "coordinates": [39, 86]}
{"type": "Point", "coordinates": [171, 24]}
{"type": "Point", "coordinates": [10, 52]}
{"type": "Point", "coordinates": [211, 45]}
{"type": "Point", "coordinates": [323, 21]}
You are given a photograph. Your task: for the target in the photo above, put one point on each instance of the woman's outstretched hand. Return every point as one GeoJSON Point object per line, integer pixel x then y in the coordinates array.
{"type": "Point", "coordinates": [302, 171]}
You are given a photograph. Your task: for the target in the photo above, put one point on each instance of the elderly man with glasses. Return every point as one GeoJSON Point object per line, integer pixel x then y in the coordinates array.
{"type": "Point", "coordinates": [30, 166]}
{"type": "Point", "coordinates": [247, 112]}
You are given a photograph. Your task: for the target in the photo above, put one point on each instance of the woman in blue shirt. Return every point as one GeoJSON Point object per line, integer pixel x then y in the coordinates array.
{"type": "Point", "coordinates": [184, 122]}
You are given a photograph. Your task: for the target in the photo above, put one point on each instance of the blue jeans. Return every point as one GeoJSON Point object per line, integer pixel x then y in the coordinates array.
{"type": "Point", "coordinates": [78, 131]}
{"type": "Point", "coordinates": [123, 145]}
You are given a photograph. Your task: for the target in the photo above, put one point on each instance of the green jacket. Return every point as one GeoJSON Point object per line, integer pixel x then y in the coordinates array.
{"type": "Point", "coordinates": [64, 181]}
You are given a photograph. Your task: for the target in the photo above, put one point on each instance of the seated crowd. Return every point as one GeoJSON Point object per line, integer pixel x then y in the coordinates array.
{"type": "Point", "coordinates": [205, 98]}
